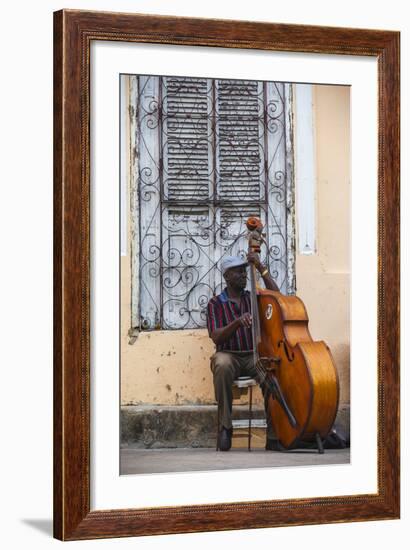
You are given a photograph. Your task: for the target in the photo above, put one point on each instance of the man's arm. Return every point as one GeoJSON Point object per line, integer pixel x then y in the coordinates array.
{"type": "Point", "coordinates": [253, 258]}
{"type": "Point", "coordinates": [220, 335]}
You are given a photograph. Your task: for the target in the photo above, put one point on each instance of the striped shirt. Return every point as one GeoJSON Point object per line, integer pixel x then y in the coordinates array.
{"type": "Point", "coordinates": [221, 312]}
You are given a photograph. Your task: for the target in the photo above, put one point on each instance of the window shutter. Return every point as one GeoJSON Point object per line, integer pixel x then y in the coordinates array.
{"type": "Point", "coordinates": [240, 164]}
{"type": "Point", "coordinates": [187, 256]}
{"type": "Point", "coordinates": [210, 153]}
{"type": "Point", "coordinates": [187, 252]}
{"type": "Point", "coordinates": [239, 151]}
{"type": "Point", "coordinates": [188, 162]}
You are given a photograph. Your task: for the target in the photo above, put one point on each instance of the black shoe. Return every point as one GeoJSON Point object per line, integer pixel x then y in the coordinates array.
{"type": "Point", "coordinates": [225, 439]}
{"type": "Point", "coordinates": [273, 445]}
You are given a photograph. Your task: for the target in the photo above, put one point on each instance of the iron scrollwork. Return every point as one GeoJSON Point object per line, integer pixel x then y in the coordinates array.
{"type": "Point", "coordinates": [211, 153]}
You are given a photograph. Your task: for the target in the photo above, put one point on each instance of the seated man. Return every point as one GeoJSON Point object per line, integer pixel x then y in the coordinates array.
{"type": "Point", "coordinates": [229, 326]}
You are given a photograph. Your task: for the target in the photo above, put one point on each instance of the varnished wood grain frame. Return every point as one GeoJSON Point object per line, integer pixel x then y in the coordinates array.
{"type": "Point", "coordinates": [73, 33]}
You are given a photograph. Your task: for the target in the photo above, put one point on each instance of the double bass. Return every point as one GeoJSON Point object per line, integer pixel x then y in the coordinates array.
{"type": "Point", "coordinates": [299, 373]}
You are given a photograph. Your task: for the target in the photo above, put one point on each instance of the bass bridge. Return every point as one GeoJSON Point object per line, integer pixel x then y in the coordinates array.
{"type": "Point", "coordinates": [269, 364]}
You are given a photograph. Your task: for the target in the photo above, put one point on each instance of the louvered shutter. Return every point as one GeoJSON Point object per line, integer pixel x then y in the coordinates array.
{"type": "Point", "coordinates": [187, 216]}
{"type": "Point", "coordinates": [187, 142]}
{"type": "Point", "coordinates": [239, 144]}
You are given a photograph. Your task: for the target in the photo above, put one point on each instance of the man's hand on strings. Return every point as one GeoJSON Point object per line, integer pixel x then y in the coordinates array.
{"type": "Point", "coordinates": [246, 320]}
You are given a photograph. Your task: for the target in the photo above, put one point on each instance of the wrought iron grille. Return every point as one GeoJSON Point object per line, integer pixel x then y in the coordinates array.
{"type": "Point", "coordinates": [208, 154]}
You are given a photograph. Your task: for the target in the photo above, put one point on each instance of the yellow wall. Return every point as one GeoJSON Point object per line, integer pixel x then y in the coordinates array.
{"type": "Point", "coordinates": [162, 367]}
{"type": "Point", "coordinates": [323, 279]}
{"type": "Point", "coordinates": [172, 367]}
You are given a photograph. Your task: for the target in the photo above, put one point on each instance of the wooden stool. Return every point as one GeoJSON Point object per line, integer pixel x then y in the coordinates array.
{"type": "Point", "coordinates": [243, 384]}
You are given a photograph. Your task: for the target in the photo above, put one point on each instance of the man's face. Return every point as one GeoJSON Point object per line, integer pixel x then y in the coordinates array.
{"type": "Point", "coordinates": [236, 277]}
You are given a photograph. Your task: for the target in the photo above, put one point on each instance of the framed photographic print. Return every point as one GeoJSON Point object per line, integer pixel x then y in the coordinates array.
{"type": "Point", "coordinates": [172, 136]}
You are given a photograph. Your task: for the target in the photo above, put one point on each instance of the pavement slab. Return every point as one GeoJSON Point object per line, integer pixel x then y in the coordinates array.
{"type": "Point", "coordinates": [148, 461]}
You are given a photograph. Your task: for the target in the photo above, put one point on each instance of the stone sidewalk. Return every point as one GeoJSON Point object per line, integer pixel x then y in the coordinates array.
{"type": "Point", "coordinates": [146, 461]}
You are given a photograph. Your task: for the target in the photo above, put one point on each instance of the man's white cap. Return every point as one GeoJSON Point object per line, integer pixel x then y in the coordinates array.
{"type": "Point", "coordinates": [231, 261]}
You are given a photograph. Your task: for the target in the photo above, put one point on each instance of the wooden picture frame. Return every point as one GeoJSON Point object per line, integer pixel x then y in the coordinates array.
{"type": "Point", "coordinates": [74, 32]}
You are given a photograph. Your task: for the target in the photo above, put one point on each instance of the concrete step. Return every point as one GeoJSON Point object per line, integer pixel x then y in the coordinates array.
{"type": "Point", "coordinates": [184, 426]}
{"type": "Point", "coordinates": [153, 427]}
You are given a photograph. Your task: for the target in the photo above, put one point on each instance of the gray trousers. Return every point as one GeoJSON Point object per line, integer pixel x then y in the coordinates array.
{"type": "Point", "coordinates": [226, 366]}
